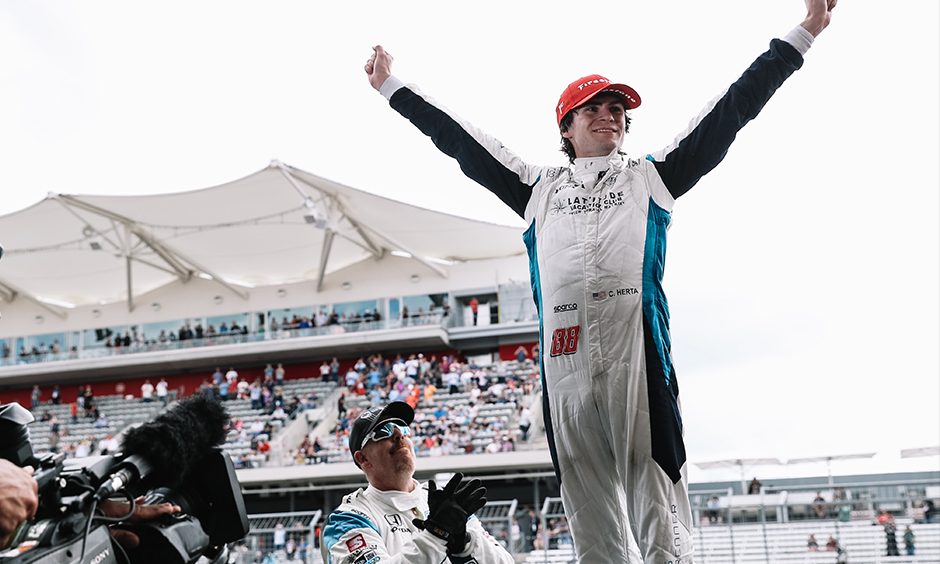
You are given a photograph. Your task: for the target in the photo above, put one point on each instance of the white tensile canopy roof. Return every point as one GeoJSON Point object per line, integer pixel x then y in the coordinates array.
{"type": "Point", "coordinates": [279, 225]}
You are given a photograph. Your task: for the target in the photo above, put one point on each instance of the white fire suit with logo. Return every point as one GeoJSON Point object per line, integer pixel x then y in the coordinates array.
{"type": "Point", "coordinates": [372, 526]}
{"type": "Point", "coordinates": [596, 242]}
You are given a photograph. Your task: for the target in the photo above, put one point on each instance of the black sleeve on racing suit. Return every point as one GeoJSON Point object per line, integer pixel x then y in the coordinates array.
{"type": "Point", "coordinates": [705, 143]}
{"type": "Point", "coordinates": [476, 160]}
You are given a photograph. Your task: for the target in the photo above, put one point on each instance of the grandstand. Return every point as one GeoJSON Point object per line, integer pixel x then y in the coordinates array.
{"type": "Point", "coordinates": [314, 274]}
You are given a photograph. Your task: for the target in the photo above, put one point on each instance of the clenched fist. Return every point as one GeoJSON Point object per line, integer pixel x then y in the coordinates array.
{"type": "Point", "coordinates": [379, 66]}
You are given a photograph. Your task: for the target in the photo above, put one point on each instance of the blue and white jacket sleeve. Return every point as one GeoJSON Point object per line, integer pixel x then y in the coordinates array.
{"type": "Point", "coordinates": [352, 538]}
{"type": "Point", "coordinates": [703, 145]}
{"type": "Point", "coordinates": [481, 157]}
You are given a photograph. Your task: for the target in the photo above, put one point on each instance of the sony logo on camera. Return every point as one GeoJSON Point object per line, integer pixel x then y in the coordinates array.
{"type": "Point", "coordinates": [100, 556]}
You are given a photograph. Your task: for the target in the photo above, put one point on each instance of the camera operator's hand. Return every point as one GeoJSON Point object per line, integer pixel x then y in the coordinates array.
{"type": "Point", "coordinates": [19, 497]}
{"type": "Point", "coordinates": [127, 539]}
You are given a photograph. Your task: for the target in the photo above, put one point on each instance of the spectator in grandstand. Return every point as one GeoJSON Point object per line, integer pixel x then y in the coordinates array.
{"type": "Point", "coordinates": [908, 541]}
{"type": "Point", "coordinates": [35, 397]}
{"type": "Point", "coordinates": [231, 376]}
{"type": "Point", "coordinates": [891, 539]}
{"type": "Point", "coordinates": [279, 374]}
{"type": "Point", "coordinates": [109, 444]}
{"type": "Point", "coordinates": [101, 420]}
{"type": "Point", "coordinates": [146, 391]}
{"type": "Point", "coordinates": [811, 544]}
{"type": "Point", "coordinates": [474, 304]}
{"type": "Point", "coordinates": [819, 506]}
{"type": "Point", "coordinates": [88, 399]}
{"type": "Point", "coordinates": [163, 390]}
{"type": "Point", "coordinates": [280, 536]}
{"type": "Point", "coordinates": [930, 511]}
{"type": "Point", "coordinates": [714, 505]}
{"type": "Point", "coordinates": [397, 519]}
{"type": "Point", "coordinates": [525, 423]}
{"type": "Point", "coordinates": [832, 544]}
{"type": "Point", "coordinates": [290, 550]}
{"type": "Point", "coordinates": [268, 373]}
{"type": "Point", "coordinates": [217, 376]}
{"type": "Point", "coordinates": [241, 389]}
{"type": "Point", "coordinates": [521, 354]}
{"type": "Point", "coordinates": [334, 370]}
{"type": "Point", "coordinates": [351, 378]}
{"type": "Point", "coordinates": [254, 394]}
{"type": "Point", "coordinates": [754, 486]}
{"type": "Point", "coordinates": [56, 395]}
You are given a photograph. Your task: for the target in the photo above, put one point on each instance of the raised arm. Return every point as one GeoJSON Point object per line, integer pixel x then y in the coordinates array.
{"type": "Point", "coordinates": [481, 157]}
{"type": "Point", "coordinates": [706, 140]}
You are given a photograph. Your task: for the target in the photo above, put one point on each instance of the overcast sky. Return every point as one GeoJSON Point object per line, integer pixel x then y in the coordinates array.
{"type": "Point", "coordinates": [802, 273]}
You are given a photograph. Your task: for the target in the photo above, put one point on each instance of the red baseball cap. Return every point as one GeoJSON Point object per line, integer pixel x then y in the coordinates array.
{"type": "Point", "coordinates": [586, 87]}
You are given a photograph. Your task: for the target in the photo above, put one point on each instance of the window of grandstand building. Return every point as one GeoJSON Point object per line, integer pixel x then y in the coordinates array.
{"type": "Point", "coordinates": [516, 304]}
{"type": "Point", "coordinates": [291, 319]}
{"type": "Point", "coordinates": [41, 345]}
{"type": "Point", "coordinates": [425, 308]}
{"type": "Point", "coordinates": [480, 308]}
{"type": "Point", "coordinates": [357, 312]}
{"type": "Point", "coordinates": [103, 336]}
{"type": "Point", "coordinates": [229, 325]}
{"type": "Point", "coordinates": [159, 333]}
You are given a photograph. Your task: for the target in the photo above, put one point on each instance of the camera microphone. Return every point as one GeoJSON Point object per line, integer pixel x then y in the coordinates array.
{"type": "Point", "coordinates": [168, 448]}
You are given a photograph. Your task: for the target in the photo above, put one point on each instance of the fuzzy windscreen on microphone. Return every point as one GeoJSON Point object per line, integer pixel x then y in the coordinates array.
{"type": "Point", "coordinates": [175, 441]}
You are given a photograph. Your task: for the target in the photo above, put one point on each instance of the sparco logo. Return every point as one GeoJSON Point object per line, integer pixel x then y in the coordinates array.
{"type": "Point", "coordinates": [566, 307]}
{"type": "Point", "coordinates": [100, 557]}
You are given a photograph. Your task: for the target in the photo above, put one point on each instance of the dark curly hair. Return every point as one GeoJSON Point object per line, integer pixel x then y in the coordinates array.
{"type": "Point", "coordinates": [566, 147]}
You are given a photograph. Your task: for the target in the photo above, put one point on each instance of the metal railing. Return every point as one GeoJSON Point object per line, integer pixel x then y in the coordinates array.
{"type": "Point", "coordinates": [100, 351]}
{"type": "Point", "coordinates": [283, 537]}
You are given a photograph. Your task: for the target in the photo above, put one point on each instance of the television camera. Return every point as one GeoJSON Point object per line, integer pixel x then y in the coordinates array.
{"type": "Point", "coordinates": [174, 458]}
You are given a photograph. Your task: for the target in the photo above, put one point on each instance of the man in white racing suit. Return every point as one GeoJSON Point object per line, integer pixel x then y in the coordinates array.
{"type": "Point", "coordinates": [396, 519]}
{"type": "Point", "coordinates": [596, 242]}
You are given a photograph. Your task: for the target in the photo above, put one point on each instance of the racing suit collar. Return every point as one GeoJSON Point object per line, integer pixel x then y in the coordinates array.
{"type": "Point", "coordinates": [401, 501]}
{"type": "Point", "coordinates": [589, 169]}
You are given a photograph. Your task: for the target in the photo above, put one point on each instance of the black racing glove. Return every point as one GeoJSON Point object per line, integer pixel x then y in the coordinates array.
{"type": "Point", "coordinates": [446, 518]}
{"type": "Point", "coordinates": [470, 496]}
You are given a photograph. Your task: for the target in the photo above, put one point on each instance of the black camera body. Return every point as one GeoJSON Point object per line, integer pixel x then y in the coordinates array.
{"type": "Point", "coordinates": [195, 474]}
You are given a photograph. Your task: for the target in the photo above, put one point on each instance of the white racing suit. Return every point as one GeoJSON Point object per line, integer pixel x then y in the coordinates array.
{"type": "Point", "coordinates": [596, 242]}
{"type": "Point", "coordinates": [374, 527]}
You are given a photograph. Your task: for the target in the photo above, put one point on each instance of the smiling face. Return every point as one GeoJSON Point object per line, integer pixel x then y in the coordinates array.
{"type": "Point", "coordinates": [597, 127]}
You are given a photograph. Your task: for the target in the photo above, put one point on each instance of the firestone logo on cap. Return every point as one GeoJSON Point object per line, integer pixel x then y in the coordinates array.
{"type": "Point", "coordinates": [595, 81]}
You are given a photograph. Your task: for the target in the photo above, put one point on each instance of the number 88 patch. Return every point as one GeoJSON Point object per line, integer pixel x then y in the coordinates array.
{"type": "Point", "coordinates": [565, 340]}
